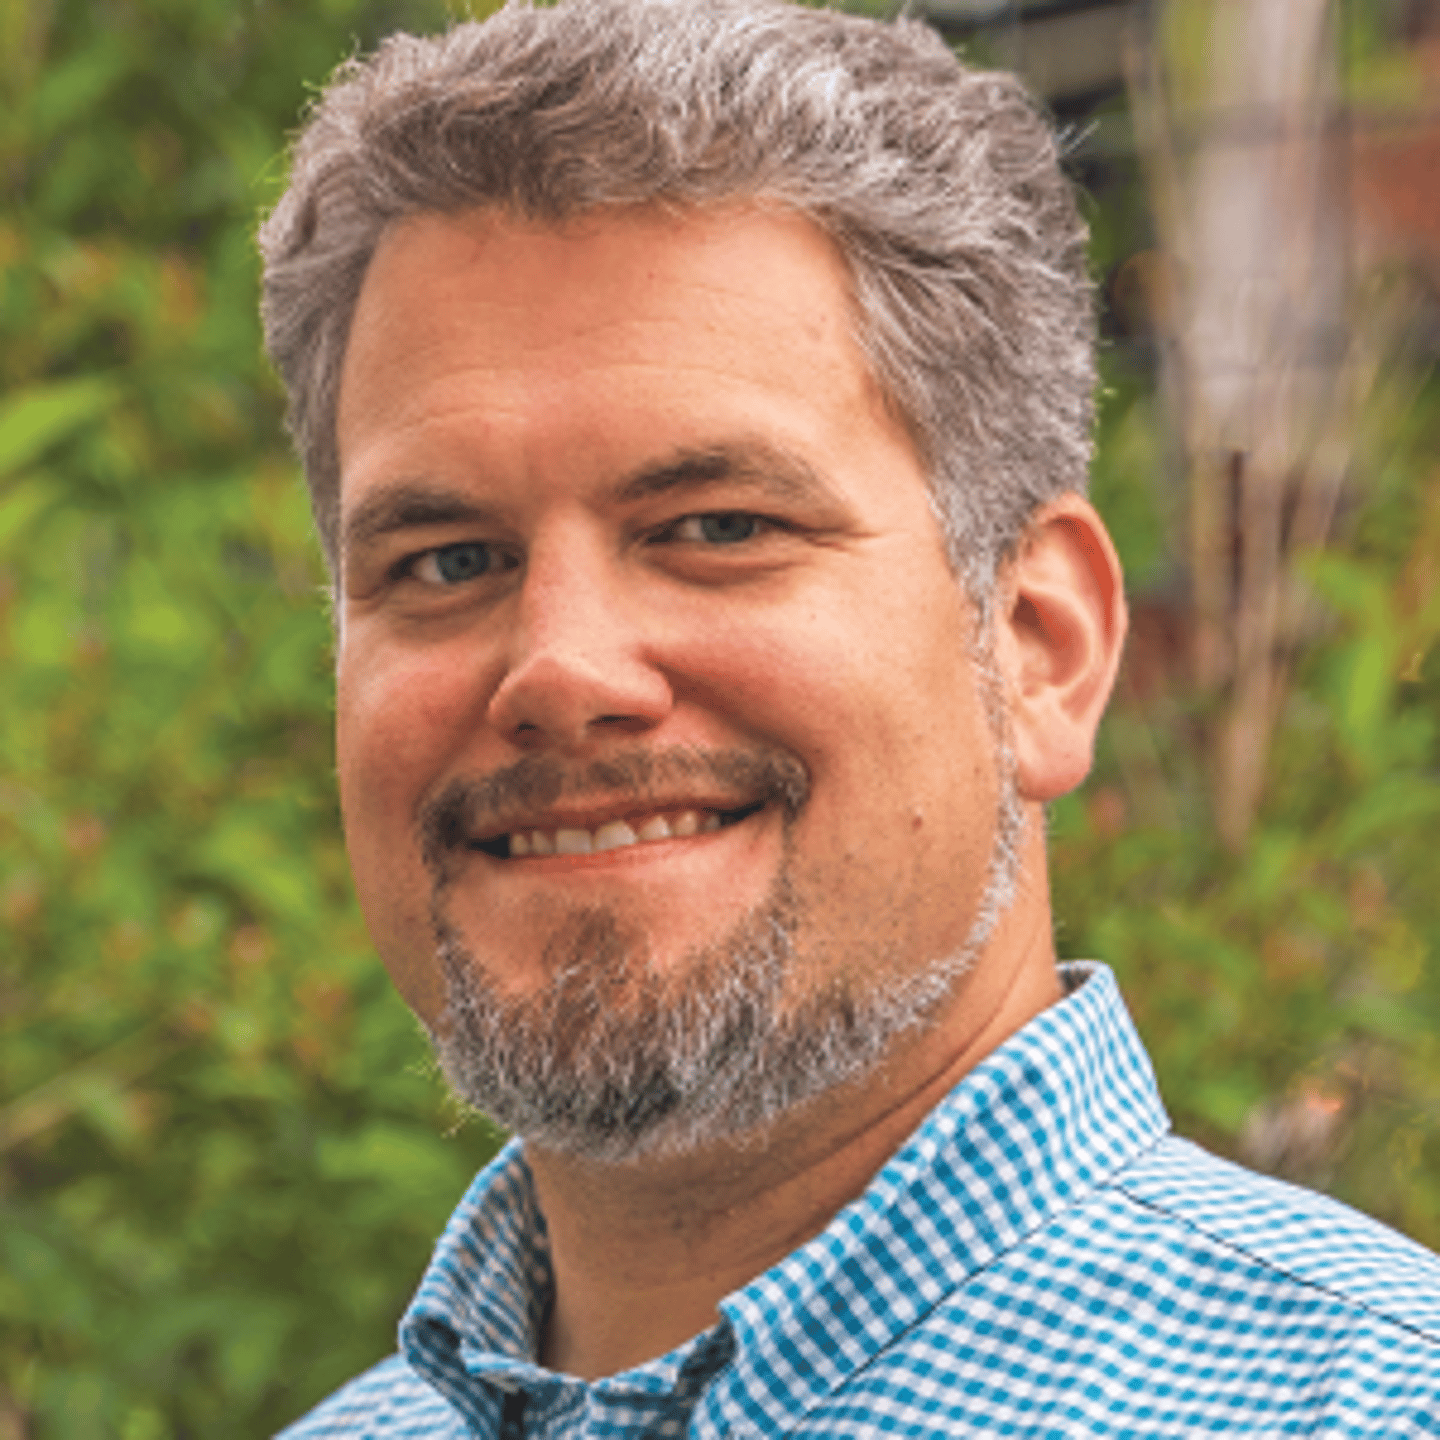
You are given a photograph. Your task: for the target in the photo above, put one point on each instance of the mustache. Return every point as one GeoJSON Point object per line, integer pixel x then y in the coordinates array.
{"type": "Point", "coordinates": [466, 804]}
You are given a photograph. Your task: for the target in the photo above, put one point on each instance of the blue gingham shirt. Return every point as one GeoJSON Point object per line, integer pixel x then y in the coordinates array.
{"type": "Point", "coordinates": [1041, 1258]}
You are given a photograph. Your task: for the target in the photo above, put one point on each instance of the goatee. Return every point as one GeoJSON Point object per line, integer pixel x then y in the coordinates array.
{"type": "Point", "coordinates": [616, 1058]}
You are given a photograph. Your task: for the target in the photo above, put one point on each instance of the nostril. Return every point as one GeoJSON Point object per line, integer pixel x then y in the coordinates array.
{"type": "Point", "coordinates": [552, 694]}
{"type": "Point", "coordinates": [630, 724]}
{"type": "Point", "coordinates": [527, 735]}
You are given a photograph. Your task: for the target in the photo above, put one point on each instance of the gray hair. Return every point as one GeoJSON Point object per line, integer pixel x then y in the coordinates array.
{"type": "Point", "coordinates": [940, 186]}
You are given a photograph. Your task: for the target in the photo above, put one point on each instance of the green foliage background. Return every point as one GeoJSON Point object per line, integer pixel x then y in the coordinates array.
{"type": "Point", "coordinates": [1289, 994]}
{"type": "Point", "coordinates": [223, 1155]}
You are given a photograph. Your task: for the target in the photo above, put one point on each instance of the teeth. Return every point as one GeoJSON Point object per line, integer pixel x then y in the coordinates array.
{"type": "Point", "coordinates": [613, 835]}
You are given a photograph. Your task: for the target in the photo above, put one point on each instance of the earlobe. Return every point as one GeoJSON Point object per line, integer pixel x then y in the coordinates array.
{"type": "Point", "coordinates": [1059, 638]}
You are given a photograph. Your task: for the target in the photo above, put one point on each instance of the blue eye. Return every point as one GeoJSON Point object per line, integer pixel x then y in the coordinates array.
{"type": "Point", "coordinates": [724, 527]}
{"type": "Point", "coordinates": [462, 562]}
{"type": "Point", "coordinates": [728, 528]}
{"type": "Point", "coordinates": [455, 564]}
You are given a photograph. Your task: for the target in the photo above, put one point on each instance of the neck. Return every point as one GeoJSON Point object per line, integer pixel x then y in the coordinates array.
{"type": "Point", "coordinates": [643, 1252]}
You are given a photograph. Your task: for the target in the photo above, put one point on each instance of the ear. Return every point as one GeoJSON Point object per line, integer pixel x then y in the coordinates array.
{"type": "Point", "coordinates": [1058, 642]}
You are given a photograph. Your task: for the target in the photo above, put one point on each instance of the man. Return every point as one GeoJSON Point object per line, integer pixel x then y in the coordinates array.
{"type": "Point", "coordinates": [695, 396]}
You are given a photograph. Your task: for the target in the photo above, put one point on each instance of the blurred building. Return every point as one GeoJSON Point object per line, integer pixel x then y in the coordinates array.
{"type": "Point", "coordinates": [1072, 53]}
{"type": "Point", "coordinates": [1266, 185]}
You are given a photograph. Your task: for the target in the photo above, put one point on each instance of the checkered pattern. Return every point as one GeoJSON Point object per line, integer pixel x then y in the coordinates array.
{"type": "Point", "coordinates": [1040, 1259]}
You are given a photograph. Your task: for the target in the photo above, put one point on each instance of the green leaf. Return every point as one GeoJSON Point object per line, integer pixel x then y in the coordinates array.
{"type": "Point", "coordinates": [71, 91]}
{"type": "Point", "coordinates": [43, 415]}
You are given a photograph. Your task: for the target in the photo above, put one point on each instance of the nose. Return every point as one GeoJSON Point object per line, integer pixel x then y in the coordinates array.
{"type": "Point", "coordinates": [578, 665]}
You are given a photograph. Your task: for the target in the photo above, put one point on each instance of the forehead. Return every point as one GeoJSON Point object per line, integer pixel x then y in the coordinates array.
{"type": "Point", "coordinates": [719, 243]}
{"type": "Point", "coordinates": [498, 302]}
{"type": "Point", "coordinates": [529, 362]}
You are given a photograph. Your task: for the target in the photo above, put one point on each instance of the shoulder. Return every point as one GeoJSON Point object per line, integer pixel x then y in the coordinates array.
{"type": "Point", "coordinates": [1181, 1296]}
{"type": "Point", "coordinates": [389, 1400]}
{"type": "Point", "coordinates": [1308, 1240]}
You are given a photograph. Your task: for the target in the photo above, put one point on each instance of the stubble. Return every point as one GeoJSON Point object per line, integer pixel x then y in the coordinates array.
{"type": "Point", "coordinates": [613, 1057]}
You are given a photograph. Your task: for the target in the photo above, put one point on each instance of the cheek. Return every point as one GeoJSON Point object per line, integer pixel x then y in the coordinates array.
{"type": "Point", "coordinates": [399, 721]}
{"type": "Point", "coordinates": [880, 693]}
{"type": "Point", "coordinates": [399, 727]}
{"type": "Point", "coordinates": [767, 664]}
{"type": "Point", "coordinates": [891, 726]}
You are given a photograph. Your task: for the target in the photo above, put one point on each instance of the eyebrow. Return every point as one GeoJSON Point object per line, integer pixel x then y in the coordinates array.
{"type": "Point", "coordinates": [766, 468]}
{"type": "Point", "coordinates": [406, 506]}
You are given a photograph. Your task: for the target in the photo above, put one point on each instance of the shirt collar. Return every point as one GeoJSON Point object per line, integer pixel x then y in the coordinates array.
{"type": "Point", "coordinates": [482, 1300]}
{"type": "Point", "coordinates": [1049, 1116]}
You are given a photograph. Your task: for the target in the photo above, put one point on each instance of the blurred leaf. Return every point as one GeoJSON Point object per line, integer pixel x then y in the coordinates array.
{"type": "Point", "coordinates": [41, 415]}
{"type": "Point", "coordinates": [222, 1129]}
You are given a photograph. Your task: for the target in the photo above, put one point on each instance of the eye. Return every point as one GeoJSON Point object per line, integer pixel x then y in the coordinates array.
{"type": "Point", "coordinates": [455, 564]}
{"type": "Point", "coordinates": [722, 527]}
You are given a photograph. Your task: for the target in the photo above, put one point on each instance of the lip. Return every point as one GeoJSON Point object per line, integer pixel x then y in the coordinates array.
{"type": "Point", "coordinates": [664, 853]}
{"type": "Point", "coordinates": [598, 832]}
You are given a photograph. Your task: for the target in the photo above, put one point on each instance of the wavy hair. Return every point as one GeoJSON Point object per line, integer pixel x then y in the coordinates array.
{"type": "Point", "coordinates": [939, 184]}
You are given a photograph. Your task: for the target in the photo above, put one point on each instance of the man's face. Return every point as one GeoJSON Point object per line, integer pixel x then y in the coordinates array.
{"type": "Point", "coordinates": [651, 664]}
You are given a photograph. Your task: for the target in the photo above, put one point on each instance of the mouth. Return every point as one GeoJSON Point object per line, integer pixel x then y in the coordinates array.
{"type": "Point", "coordinates": [616, 832]}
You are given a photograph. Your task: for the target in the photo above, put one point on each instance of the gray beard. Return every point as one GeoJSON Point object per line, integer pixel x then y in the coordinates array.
{"type": "Point", "coordinates": [613, 1060]}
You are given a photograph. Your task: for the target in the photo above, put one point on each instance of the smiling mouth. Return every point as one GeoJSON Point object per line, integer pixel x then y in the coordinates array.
{"type": "Point", "coordinates": [616, 834]}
